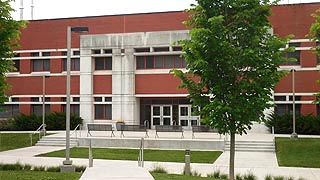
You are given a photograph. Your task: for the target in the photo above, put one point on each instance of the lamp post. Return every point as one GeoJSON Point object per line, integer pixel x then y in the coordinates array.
{"type": "Point", "coordinates": [294, 135]}
{"type": "Point", "coordinates": [67, 163]}
{"type": "Point", "coordinates": [44, 104]}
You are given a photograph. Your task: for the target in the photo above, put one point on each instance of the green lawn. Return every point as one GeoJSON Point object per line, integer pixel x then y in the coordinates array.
{"type": "Point", "coordinates": [163, 176]}
{"type": "Point", "coordinates": [10, 141]}
{"type": "Point", "coordinates": [132, 154]}
{"type": "Point", "coordinates": [38, 175]}
{"type": "Point", "coordinates": [304, 152]}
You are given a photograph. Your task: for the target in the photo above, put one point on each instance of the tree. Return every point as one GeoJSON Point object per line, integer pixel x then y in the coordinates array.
{"type": "Point", "coordinates": [315, 36]}
{"type": "Point", "coordinates": [232, 60]}
{"type": "Point", "coordinates": [9, 34]}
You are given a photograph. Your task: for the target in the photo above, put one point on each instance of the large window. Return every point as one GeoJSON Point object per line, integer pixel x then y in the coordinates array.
{"type": "Point", "coordinates": [160, 62]}
{"type": "Point", "coordinates": [282, 109]}
{"type": "Point", "coordinates": [295, 54]}
{"type": "Point", "coordinates": [37, 109]}
{"type": "Point", "coordinates": [103, 111]}
{"type": "Point", "coordinates": [41, 65]}
{"type": "Point", "coordinates": [103, 63]}
{"type": "Point", "coordinates": [9, 111]}
{"type": "Point", "coordinates": [75, 64]}
{"type": "Point", "coordinates": [74, 109]}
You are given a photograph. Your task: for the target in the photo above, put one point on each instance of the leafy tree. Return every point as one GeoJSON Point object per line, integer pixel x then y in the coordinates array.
{"type": "Point", "coordinates": [9, 34]}
{"type": "Point", "coordinates": [232, 60]}
{"type": "Point", "coordinates": [315, 36]}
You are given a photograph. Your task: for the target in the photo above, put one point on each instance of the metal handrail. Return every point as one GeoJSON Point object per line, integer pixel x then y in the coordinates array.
{"type": "Point", "coordinates": [36, 131]}
{"type": "Point", "coordinates": [141, 155]}
{"type": "Point", "coordinates": [75, 130]}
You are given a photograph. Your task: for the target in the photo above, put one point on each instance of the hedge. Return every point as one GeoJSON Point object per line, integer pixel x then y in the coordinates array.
{"type": "Point", "coordinates": [305, 124]}
{"type": "Point", "coordinates": [54, 121]}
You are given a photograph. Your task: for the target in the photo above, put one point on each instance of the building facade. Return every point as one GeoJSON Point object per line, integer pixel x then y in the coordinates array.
{"type": "Point", "coordinates": [120, 68]}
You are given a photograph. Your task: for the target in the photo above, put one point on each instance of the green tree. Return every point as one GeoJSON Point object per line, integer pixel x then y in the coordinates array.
{"type": "Point", "coordinates": [232, 60]}
{"type": "Point", "coordinates": [9, 34]}
{"type": "Point", "coordinates": [315, 36]}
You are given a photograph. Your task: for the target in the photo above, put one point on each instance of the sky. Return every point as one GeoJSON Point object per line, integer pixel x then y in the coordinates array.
{"type": "Point", "coordinates": [50, 9]}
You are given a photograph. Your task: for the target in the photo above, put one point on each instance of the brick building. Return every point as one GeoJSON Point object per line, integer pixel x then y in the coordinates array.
{"type": "Point", "coordinates": [120, 69]}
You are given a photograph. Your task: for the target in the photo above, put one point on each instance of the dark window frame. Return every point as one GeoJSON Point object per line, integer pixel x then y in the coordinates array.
{"type": "Point", "coordinates": [106, 113]}
{"type": "Point", "coordinates": [104, 64]}
{"type": "Point", "coordinates": [44, 65]}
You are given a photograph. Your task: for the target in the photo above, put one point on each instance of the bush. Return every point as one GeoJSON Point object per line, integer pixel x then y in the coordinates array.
{"type": "Point", "coordinates": [159, 169]}
{"type": "Point", "coordinates": [305, 124]}
{"type": "Point", "coordinates": [54, 121]}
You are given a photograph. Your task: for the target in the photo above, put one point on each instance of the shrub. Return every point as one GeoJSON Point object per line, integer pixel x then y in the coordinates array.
{"type": "Point", "coordinates": [53, 169]}
{"type": "Point", "coordinates": [54, 121]}
{"type": "Point", "coordinates": [305, 124]}
{"type": "Point", "coordinates": [11, 167]}
{"type": "Point", "coordinates": [249, 176]}
{"type": "Point", "coordinates": [159, 169]}
{"type": "Point", "coordinates": [80, 168]}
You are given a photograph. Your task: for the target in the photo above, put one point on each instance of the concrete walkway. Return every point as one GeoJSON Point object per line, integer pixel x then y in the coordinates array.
{"type": "Point", "coordinates": [258, 163]}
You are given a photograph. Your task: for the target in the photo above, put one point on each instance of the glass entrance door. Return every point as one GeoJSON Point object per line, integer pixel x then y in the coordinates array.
{"type": "Point", "coordinates": [186, 118]}
{"type": "Point", "coordinates": [161, 115]}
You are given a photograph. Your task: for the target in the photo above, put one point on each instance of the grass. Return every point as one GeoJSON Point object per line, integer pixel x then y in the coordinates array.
{"type": "Point", "coordinates": [303, 152]}
{"type": "Point", "coordinates": [132, 154]}
{"type": "Point", "coordinates": [10, 141]}
{"type": "Point", "coordinates": [163, 176]}
{"type": "Point", "coordinates": [38, 175]}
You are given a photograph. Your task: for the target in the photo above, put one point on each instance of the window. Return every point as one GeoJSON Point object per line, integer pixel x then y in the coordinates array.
{"type": "Point", "coordinates": [37, 109]}
{"type": "Point", "coordinates": [15, 99]}
{"type": "Point", "coordinates": [9, 111]}
{"type": "Point", "coordinates": [75, 64]}
{"type": "Point", "coordinates": [97, 99]}
{"type": "Point", "coordinates": [107, 51]}
{"type": "Point", "coordinates": [103, 63]}
{"type": "Point", "coordinates": [41, 65]}
{"type": "Point", "coordinates": [108, 99]}
{"type": "Point", "coordinates": [296, 98]}
{"type": "Point", "coordinates": [103, 111]}
{"type": "Point", "coordinates": [282, 109]}
{"type": "Point", "coordinates": [35, 99]}
{"type": "Point", "coordinates": [96, 51]}
{"type": "Point", "coordinates": [74, 109]}
{"type": "Point", "coordinates": [64, 53]}
{"type": "Point", "coordinates": [295, 54]}
{"type": "Point", "coordinates": [15, 66]}
{"type": "Point", "coordinates": [76, 53]}
{"type": "Point", "coordinates": [46, 54]}
{"type": "Point", "coordinates": [280, 98]}
{"type": "Point", "coordinates": [34, 54]}
{"type": "Point", "coordinates": [160, 62]}
{"type": "Point", "coordinates": [318, 57]}
{"type": "Point", "coordinates": [140, 50]}
{"type": "Point", "coordinates": [177, 48]}
{"type": "Point", "coordinates": [161, 49]}
{"type": "Point", "coordinates": [76, 99]}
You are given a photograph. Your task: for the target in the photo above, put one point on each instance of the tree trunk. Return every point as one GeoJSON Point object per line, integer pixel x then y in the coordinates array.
{"type": "Point", "coordinates": [232, 156]}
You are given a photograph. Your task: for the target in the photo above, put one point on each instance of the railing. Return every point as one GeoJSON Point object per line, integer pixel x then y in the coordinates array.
{"type": "Point", "coordinates": [141, 155]}
{"type": "Point", "coordinates": [79, 126]}
{"type": "Point", "coordinates": [36, 131]}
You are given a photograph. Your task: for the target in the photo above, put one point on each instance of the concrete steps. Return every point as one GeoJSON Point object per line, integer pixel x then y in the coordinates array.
{"type": "Point", "coordinates": [56, 141]}
{"type": "Point", "coordinates": [252, 146]}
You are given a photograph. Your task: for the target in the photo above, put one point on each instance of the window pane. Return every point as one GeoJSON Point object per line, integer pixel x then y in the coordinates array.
{"type": "Point", "coordinates": [5, 111]}
{"type": "Point", "coordinates": [149, 62]}
{"type": "Point", "coordinates": [76, 64]}
{"type": "Point", "coordinates": [177, 61]}
{"type": "Point", "coordinates": [108, 111]}
{"type": "Point", "coordinates": [76, 109]}
{"type": "Point", "coordinates": [37, 109]}
{"type": "Point", "coordinates": [64, 64]}
{"type": "Point", "coordinates": [37, 65]}
{"type": "Point", "coordinates": [47, 109]}
{"type": "Point", "coordinates": [159, 63]}
{"type": "Point", "coordinates": [46, 65]}
{"type": "Point", "coordinates": [140, 62]}
{"type": "Point", "coordinates": [295, 55]}
{"type": "Point", "coordinates": [99, 63]}
{"type": "Point", "coordinates": [167, 62]}
{"type": "Point", "coordinates": [16, 65]}
{"type": "Point", "coordinates": [280, 109]}
{"type": "Point", "coordinates": [109, 63]}
{"type": "Point", "coordinates": [15, 109]}
{"type": "Point", "coordinates": [98, 111]}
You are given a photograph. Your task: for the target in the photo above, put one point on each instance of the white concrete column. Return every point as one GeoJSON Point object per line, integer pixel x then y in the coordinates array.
{"type": "Point", "coordinates": [86, 86]}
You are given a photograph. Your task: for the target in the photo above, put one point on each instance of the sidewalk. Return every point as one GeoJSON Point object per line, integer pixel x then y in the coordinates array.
{"type": "Point", "coordinates": [258, 163]}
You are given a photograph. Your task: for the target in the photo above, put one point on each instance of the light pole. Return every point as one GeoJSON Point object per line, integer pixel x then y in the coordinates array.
{"type": "Point", "coordinates": [44, 104]}
{"type": "Point", "coordinates": [294, 135]}
{"type": "Point", "coordinates": [67, 163]}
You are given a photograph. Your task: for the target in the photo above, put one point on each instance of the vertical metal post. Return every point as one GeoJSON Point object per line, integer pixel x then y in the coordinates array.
{"type": "Point", "coordinates": [142, 154]}
{"type": "Point", "coordinates": [187, 168]}
{"type": "Point", "coordinates": [68, 161]}
{"type": "Point", "coordinates": [294, 135]}
{"type": "Point", "coordinates": [43, 104]}
{"type": "Point", "coordinates": [90, 154]}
